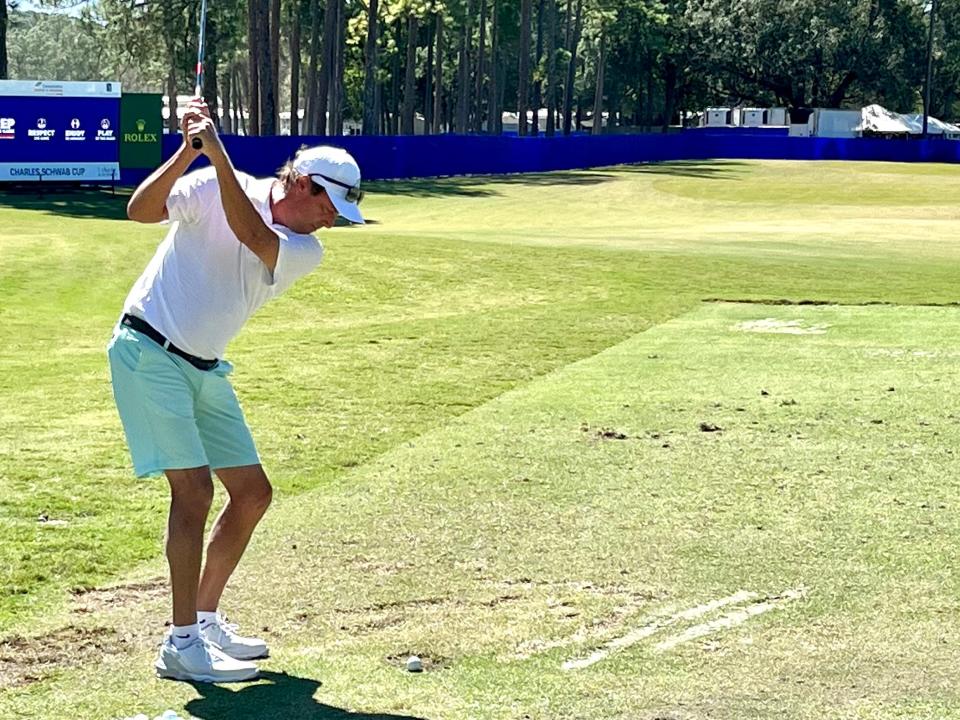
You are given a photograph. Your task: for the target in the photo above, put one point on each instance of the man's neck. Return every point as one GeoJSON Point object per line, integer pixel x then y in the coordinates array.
{"type": "Point", "coordinates": [277, 194]}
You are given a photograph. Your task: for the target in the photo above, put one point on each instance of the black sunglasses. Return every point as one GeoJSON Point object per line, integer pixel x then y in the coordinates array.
{"type": "Point", "coordinates": [354, 193]}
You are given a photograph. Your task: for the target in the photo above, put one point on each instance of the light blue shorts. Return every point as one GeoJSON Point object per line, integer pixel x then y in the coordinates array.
{"type": "Point", "coordinates": [174, 415]}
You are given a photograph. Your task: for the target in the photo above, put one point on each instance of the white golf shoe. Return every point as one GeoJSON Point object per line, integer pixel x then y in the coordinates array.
{"type": "Point", "coordinates": [223, 635]}
{"type": "Point", "coordinates": [201, 662]}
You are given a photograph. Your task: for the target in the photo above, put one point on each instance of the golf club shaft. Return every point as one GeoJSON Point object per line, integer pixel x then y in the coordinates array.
{"type": "Point", "coordinates": [197, 143]}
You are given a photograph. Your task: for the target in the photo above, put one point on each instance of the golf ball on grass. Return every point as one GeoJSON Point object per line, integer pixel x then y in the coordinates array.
{"type": "Point", "coordinates": [414, 664]}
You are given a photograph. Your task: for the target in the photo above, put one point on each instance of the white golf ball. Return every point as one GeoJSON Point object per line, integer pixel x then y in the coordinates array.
{"type": "Point", "coordinates": [414, 664]}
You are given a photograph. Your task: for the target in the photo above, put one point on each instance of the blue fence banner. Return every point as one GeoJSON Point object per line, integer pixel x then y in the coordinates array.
{"type": "Point", "coordinates": [420, 156]}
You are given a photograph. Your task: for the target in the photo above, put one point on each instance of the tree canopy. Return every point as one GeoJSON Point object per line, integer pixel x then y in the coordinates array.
{"type": "Point", "coordinates": [392, 66]}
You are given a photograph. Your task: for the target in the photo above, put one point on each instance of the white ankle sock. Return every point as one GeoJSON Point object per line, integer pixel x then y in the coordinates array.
{"type": "Point", "coordinates": [183, 635]}
{"type": "Point", "coordinates": [205, 618]}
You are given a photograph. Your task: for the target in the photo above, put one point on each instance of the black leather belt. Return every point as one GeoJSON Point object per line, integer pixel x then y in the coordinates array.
{"type": "Point", "coordinates": [142, 326]}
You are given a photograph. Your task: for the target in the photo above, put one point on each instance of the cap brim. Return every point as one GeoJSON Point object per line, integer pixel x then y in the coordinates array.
{"type": "Point", "coordinates": [348, 210]}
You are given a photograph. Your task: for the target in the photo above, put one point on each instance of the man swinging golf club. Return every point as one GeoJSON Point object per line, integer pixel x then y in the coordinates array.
{"type": "Point", "coordinates": [235, 242]}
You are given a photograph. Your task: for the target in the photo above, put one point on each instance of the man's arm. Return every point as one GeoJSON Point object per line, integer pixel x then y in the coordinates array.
{"type": "Point", "coordinates": [148, 204]}
{"type": "Point", "coordinates": [242, 217]}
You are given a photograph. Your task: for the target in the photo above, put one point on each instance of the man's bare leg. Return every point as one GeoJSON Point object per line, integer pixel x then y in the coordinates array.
{"type": "Point", "coordinates": [191, 493]}
{"type": "Point", "coordinates": [249, 493]}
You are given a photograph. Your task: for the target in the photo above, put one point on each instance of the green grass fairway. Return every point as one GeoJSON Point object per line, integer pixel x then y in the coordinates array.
{"type": "Point", "coordinates": [507, 434]}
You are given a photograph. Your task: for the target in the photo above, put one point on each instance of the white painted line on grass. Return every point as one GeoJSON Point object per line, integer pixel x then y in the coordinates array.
{"type": "Point", "coordinates": [654, 627]}
{"type": "Point", "coordinates": [729, 620]}
{"type": "Point", "coordinates": [788, 327]}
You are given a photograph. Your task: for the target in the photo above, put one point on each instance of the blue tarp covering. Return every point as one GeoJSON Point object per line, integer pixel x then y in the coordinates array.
{"type": "Point", "coordinates": [393, 157]}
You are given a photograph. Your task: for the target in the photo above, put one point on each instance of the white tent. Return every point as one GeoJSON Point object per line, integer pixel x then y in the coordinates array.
{"type": "Point", "coordinates": [934, 126]}
{"type": "Point", "coordinates": [877, 120]}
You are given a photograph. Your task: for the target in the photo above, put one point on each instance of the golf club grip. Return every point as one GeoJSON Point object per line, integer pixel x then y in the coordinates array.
{"type": "Point", "coordinates": [196, 143]}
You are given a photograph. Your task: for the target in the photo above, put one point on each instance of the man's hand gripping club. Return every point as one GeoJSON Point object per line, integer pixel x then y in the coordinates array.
{"type": "Point", "coordinates": [243, 219]}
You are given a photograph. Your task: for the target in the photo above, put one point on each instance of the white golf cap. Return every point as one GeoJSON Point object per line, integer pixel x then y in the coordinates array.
{"type": "Point", "coordinates": [335, 170]}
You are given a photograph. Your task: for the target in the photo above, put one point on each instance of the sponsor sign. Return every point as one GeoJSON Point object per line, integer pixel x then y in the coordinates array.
{"type": "Point", "coordinates": [59, 130]}
{"type": "Point", "coordinates": [44, 88]}
{"type": "Point", "coordinates": [59, 172]}
{"type": "Point", "coordinates": [141, 130]}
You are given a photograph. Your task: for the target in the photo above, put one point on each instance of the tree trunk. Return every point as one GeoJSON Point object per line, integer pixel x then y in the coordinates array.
{"type": "Point", "coordinates": [496, 119]}
{"type": "Point", "coordinates": [211, 74]}
{"type": "Point", "coordinates": [310, 119]}
{"type": "Point", "coordinates": [295, 68]}
{"type": "Point", "coordinates": [336, 78]}
{"type": "Point", "coordinates": [393, 113]}
{"type": "Point", "coordinates": [438, 83]}
{"type": "Point", "coordinates": [669, 92]}
{"type": "Point", "coordinates": [172, 123]}
{"type": "Point", "coordinates": [598, 98]}
{"type": "Point", "coordinates": [330, 17]}
{"type": "Point", "coordinates": [410, 76]}
{"type": "Point", "coordinates": [481, 51]}
{"type": "Point", "coordinates": [253, 41]}
{"type": "Point", "coordinates": [268, 100]}
{"type": "Point", "coordinates": [551, 69]}
{"type": "Point", "coordinates": [572, 70]}
{"type": "Point", "coordinates": [501, 103]}
{"type": "Point", "coordinates": [428, 85]}
{"type": "Point", "coordinates": [523, 81]}
{"type": "Point", "coordinates": [538, 83]}
{"type": "Point", "coordinates": [463, 83]}
{"type": "Point", "coordinates": [275, 62]}
{"type": "Point", "coordinates": [840, 92]}
{"type": "Point", "coordinates": [4, 71]}
{"type": "Point", "coordinates": [568, 22]}
{"type": "Point", "coordinates": [228, 101]}
{"type": "Point", "coordinates": [648, 99]}
{"type": "Point", "coordinates": [370, 72]}
{"type": "Point", "coordinates": [240, 123]}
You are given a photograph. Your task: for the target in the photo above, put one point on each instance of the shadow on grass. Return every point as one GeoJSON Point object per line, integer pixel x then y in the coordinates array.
{"type": "Point", "coordinates": [486, 185]}
{"type": "Point", "coordinates": [92, 202]}
{"type": "Point", "coordinates": [714, 169]}
{"type": "Point", "coordinates": [483, 185]}
{"type": "Point", "coordinates": [283, 696]}
{"type": "Point", "coordinates": [101, 202]}
{"type": "Point", "coordinates": [83, 202]}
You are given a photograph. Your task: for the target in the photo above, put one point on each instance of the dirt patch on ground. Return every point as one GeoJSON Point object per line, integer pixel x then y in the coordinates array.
{"type": "Point", "coordinates": [604, 433]}
{"type": "Point", "coordinates": [100, 599]}
{"type": "Point", "coordinates": [384, 615]}
{"type": "Point", "coordinates": [371, 624]}
{"type": "Point", "coordinates": [395, 604]}
{"type": "Point", "coordinates": [592, 629]}
{"type": "Point", "coordinates": [584, 586]}
{"type": "Point", "coordinates": [27, 660]}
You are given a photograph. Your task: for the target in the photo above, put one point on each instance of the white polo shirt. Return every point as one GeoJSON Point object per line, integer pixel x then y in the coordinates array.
{"type": "Point", "coordinates": [203, 284]}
